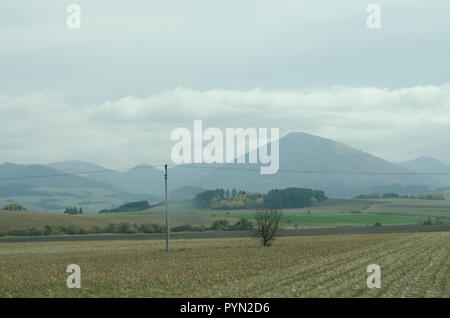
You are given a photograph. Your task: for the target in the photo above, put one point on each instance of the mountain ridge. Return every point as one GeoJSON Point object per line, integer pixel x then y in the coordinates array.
{"type": "Point", "coordinates": [334, 167]}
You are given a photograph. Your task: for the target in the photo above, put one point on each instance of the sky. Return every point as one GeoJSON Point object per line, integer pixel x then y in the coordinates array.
{"type": "Point", "coordinates": [112, 91]}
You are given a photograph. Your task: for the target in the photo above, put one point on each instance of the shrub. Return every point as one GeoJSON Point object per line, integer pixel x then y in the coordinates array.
{"type": "Point", "coordinates": [151, 228]}
{"type": "Point", "coordinates": [221, 225]}
{"type": "Point", "coordinates": [131, 230]}
{"type": "Point", "coordinates": [35, 232]}
{"type": "Point", "coordinates": [243, 225]}
{"type": "Point", "coordinates": [51, 230]}
{"type": "Point", "coordinates": [84, 231]}
{"type": "Point", "coordinates": [427, 222]}
{"type": "Point", "coordinates": [96, 230]}
{"type": "Point", "coordinates": [73, 210]}
{"type": "Point", "coordinates": [18, 232]}
{"type": "Point", "coordinates": [377, 224]}
{"type": "Point", "coordinates": [73, 230]}
{"type": "Point", "coordinates": [111, 228]}
{"type": "Point", "coordinates": [14, 207]}
{"type": "Point", "coordinates": [182, 228]}
{"type": "Point", "coordinates": [189, 228]}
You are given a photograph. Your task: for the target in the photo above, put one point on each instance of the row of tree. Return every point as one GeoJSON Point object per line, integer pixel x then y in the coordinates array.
{"type": "Point", "coordinates": [132, 207]}
{"type": "Point", "coordinates": [127, 228]}
{"type": "Point", "coordinates": [426, 196]}
{"type": "Point", "coordinates": [14, 207]}
{"type": "Point", "coordinates": [266, 227]}
{"type": "Point", "coordinates": [73, 210]}
{"type": "Point", "coordinates": [278, 198]}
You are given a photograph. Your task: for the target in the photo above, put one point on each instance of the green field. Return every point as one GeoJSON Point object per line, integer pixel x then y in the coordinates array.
{"type": "Point", "coordinates": [412, 207]}
{"type": "Point", "coordinates": [412, 265]}
{"type": "Point", "coordinates": [344, 219]}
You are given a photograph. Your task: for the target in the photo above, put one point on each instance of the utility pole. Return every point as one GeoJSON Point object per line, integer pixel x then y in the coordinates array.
{"type": "Point", "coordinates": [167, 216]}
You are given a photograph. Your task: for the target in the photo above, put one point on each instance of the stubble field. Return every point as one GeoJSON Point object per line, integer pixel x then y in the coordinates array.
{"type": "Point", "coordinates": [412, 265]}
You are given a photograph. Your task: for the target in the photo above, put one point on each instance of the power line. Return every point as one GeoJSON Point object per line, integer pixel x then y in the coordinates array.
{"type": "Point", "coordinates": [78, 173]}
{"type": "Point", "coordinates": [406, 173]}
{"type": "Point", "coordinates": [230, 168]}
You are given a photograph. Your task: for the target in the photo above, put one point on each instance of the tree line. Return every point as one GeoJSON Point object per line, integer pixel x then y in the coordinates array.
{"type": "Point", "coordinates": [74, 210]}
{"type": "Point", "coordinates": [14, 207]}
{"type": "Point", "coordinates": [424, 196]}
{"type": "Point", "coordinates": [132, 207]}
{"type": "Point", "coordinates": [294, 197]}
{"type": "Point", "coordinates": [127, 228]}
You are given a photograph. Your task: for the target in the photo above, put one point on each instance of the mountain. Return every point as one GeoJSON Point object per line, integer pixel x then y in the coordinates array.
{"type": "Point", "coordinates": [305, 161]}
{"type": "Point", "coordinates": [86, 169]}
{"type": "Point", "coordinates": [142, 179]}
{"type": "Point", "coordinates": [429, 165]}
{"type": "Point", "coordinates": [344, 171]}
{"type": "Point", "coordinates": [43, 176]}
{"type": "Point", "coordinates": [44, 188]}
{"type": "Point", "coordinates": [185, 193]}
{"type": "Point", "coordinates": [77, 167]}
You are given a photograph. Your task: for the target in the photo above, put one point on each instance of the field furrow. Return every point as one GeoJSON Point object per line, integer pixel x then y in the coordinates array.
{"type": "Point", "coordinates": [412, 265]}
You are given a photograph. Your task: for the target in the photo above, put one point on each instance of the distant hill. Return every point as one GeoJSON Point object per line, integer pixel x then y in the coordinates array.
{"type": "Point", "coordinates": [44, 188]}
{"type": "Point", "coordinates": [77, 167]}
{"type": "Point", "coordinates": [306, 161]}
{"type": "Point", "coordinates": [44, 176]}
{"type": "Point", "coordinates": [343, 171]}
{"type": "Point", "coordinates": [429, 165]}
{"type": "Point", "coordinates": [142, 179]}
{"type": "Point", "coordinates": [185, 193]}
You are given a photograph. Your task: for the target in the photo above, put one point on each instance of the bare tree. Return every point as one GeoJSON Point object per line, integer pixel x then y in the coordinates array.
{"type": "Point", "coordinates": [267, 224]}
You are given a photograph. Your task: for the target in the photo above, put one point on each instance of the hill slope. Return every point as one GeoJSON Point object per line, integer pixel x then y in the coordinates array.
{"type": "Point", "coordinates": [44, 176]}
{"type": "Point", "coordinates": [429, 165]}
{"type": "Point", "coordinates": [314, 162]}
{"type": "Point", "coordinates": [142, 179]}
{"type": "Point", "coordinates": [305, 161]}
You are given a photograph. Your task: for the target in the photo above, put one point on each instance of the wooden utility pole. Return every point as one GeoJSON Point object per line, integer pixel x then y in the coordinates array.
{"type": "Point", "coordinates": [167, 215]}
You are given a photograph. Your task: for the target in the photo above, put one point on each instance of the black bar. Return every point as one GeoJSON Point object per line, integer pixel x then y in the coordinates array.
{"type": "Point", "coordinates": [221, 307]}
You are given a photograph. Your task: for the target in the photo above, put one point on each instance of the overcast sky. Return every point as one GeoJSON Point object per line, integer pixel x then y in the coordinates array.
{"type": "Point", "coordinates": [112, 91]}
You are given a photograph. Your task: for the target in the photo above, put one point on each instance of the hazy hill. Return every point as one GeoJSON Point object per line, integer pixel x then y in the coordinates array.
{"type": "Point", "coordinates": [44, 176]}
{"type": "Point", "coordinates": [185, 193]}
{"type": "Point", "coordinates": [343, 170]}
{"type": "Point", "coordinates": [305, 161]}
{"type": "Point", "coordinates": [77, 167]}
{"type": "Point", "coordinates": [43, 188]}
{"type": "Point", "coordinates": [142, 179]}
{"type": "Point", "coordinates": [429, 165]}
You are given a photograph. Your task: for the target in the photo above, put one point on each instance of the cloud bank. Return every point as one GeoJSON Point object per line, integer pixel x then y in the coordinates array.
{"type": "Point", "coordinates": [397, 124]}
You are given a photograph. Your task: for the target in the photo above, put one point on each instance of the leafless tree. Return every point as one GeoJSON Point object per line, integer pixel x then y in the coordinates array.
{"type": "Point", "coordinates": [267, 224]}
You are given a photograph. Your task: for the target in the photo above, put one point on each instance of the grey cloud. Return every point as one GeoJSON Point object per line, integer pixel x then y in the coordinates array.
{"type": "Point", "coordinates": [133, 130]}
